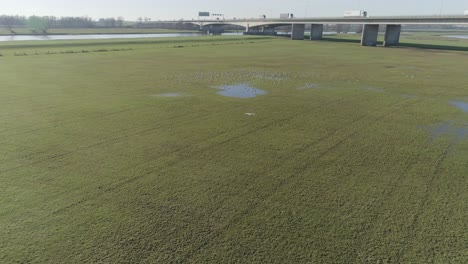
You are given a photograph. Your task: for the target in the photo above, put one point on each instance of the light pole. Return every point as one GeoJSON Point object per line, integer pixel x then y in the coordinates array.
{"type": "Point", "coordinates": [441, 7]}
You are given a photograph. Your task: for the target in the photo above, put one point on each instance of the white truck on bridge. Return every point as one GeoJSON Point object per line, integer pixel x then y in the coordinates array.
{"type": "Point", "coordinates": [466, 13]}
{"type": "Point", "coordinates": [355, 13]}
{"type": "Point", "coordinates": [286, 15]}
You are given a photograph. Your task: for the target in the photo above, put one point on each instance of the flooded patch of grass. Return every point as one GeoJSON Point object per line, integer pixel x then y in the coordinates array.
{"type": "Point", "coordinates": [450, 131]}
{"type": "Point", "coordinates": [241, 90]}
{"type": "Point", "coordinates": [461, 105]}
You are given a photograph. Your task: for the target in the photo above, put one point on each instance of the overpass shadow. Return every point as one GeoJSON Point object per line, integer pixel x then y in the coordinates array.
{"type": "Point", "coordinates": [404, 44]}
{"type": "Point", "coordinates": [433, 46]}
{"type": "Point", "coordinates": [380, 43]}
{"type": "Point", "coordinates": [344, 40]}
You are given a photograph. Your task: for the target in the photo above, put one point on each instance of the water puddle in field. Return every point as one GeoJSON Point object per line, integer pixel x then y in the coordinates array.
{"type": "Point", "coordinates": [457, 36]}
{"type": "Point", "coordinates": [461, 105]}
{"type": "Point", "coordinates": [241, 90]}
{"type": "Point", "coordinates": [168, 95]}
{"type": "Point", "coordinates": [448, 130]}
{"type": "Point", "coordinates": [453, 131]}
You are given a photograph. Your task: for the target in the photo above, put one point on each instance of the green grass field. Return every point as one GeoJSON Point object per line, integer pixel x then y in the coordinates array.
{"type": "Point", "coordinates": [99, 164]}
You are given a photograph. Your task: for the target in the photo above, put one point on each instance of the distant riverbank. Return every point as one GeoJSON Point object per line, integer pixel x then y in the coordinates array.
{"type": "Point", "coordinates": [458, 36]}
{"type": "Point", "coordinates": [103, 36]}
{"type": "Point", "coordinates": [91, 31]}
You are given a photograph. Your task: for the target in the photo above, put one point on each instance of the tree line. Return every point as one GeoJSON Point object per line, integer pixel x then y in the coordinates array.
{"type": "Point", "coordinates": [41, 24]}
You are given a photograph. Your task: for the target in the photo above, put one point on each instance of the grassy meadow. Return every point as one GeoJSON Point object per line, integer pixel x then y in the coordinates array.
{"type": "Point", "coordinates": [124, 152]}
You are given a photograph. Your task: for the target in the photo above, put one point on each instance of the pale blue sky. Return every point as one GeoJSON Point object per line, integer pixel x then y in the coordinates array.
{"type": "Point", "coordinates": [187, 9]}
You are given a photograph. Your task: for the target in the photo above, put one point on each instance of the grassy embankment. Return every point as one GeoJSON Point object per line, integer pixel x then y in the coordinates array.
{"type": "Point", "coordinates": [97, 165]}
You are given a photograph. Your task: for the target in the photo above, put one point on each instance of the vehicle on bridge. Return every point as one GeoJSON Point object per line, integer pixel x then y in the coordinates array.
{"type": "Point", "coordinates": [355, 13]}
{"type": "Point", "coordinates": [286, 15]}
{"type": "Point", "coordinates": [466, 13]}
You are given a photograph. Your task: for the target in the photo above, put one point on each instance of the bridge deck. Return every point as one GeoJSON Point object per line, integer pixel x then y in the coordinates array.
{"type": "Point", "coordinates": [402, 20]}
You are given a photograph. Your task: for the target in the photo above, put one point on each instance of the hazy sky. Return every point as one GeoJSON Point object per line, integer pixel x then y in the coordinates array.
{"type": "Point", "coordinates": [187, 9]}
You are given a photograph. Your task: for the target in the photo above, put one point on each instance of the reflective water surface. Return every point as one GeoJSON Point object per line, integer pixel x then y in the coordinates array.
{"type": "Point", "coordinates": [461, 105]}
{"type": "Point", "coordinates": [241, 90]}
{"type": "Point", "coordinates": [103, 36]}
{"type": "Point", "coordinates": [457, 36]}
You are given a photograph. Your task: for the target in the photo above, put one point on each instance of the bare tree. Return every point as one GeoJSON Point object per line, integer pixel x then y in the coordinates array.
{"type": "Point", "coordinates": [8, 22]}
{"type": "Point", "coordinates": [39, 24]}
{"type": "Point", "coordinates": [120, 21]}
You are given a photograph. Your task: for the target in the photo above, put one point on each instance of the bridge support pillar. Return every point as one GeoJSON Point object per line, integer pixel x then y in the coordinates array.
{"type": "Point", "coordinates": [369, 35]}
{"type": "Point", "coordinates": [316, 32]}
{"type": "Point", "coordinates": [392, 35]}
{"type": "Point", "coordinates": [297, 32]}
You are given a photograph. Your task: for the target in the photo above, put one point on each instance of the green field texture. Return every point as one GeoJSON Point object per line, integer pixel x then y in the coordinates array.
{"type": "Point", "coordinates": [343, 161]}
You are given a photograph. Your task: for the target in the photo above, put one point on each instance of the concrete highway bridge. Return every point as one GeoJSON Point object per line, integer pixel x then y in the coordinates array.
{"type": "Point", "coordinates": [369, 32]}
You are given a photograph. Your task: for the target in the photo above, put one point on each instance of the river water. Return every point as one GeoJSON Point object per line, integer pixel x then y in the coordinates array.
{"type": "Point", "coordinates": [458, 36]}
{"type": "Point", "coordinates": [135, 36]}
{"type": "Point", "coordinates": [103, 36]}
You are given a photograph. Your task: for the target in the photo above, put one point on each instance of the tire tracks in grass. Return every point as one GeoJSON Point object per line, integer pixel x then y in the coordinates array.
{"type": "Point", "coordinates": [73, 120]}
{"type": "Point", "coordinates": [190, 155]}
{"type": "Point", "coordinates": [133, 179]}
{"type": "Point", "coordinates": [87, 119]}
{"type": "Point", "coordinates": [44, 109]}
{"type": "Point", "coordinates": [12, 101]}
{"type": "Point", "coordinates": [121, 138]}
{"type": "Point", "coordinates": [51, 124]}
{"type": "Point", "coordinates": [283, 182]}
{"type": "Point", "coordinates": [437, 166]}
{"type": "Point", "coordinates": [108, 142]}
{"type": "Point", "coordinates": [198, 151]}
{"type": "Point", "coordinates": [425, 199]}
{"type": "Point", "coordinates": [78, 100]}
{"type": "Point", "coordinates": [142, 133]}
{"type": "Point", "coordinates": [15, 100]}
{"type": "Point", "coordinates": [29, 112]}
{"type": "Point", "coordinates": [117, 132]}
{"type": "Point", "coordinates": [384, 197]}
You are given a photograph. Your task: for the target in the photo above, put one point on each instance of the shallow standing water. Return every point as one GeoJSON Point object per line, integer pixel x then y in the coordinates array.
{"type": "Point", "coordinates": [459, 104]}
{"type": "Point", "coordinates": [457, 36]}
{"type": "Point", "coordinates": [454, 133]}
{"type": "Point", "coordinates": [103, 36]}
{"type": "Point", "coordinates": [240, 91]}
